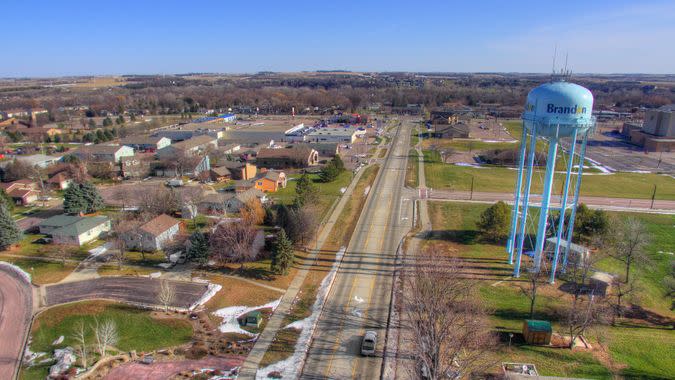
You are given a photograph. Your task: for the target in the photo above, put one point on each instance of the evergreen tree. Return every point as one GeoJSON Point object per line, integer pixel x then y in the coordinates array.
{"type": "Point", "coordinates": [82, 197]}
{"type": "Point", "coordinates": [199, 248]}
{"type": "Point", "coordinates": [494, 222]}
{"type": "Point", "coordinates": [282, 257]}
{"type": "Point", "coordinates": [6, 199]}
{"type": "Point", "coordinates": [120, 120]}
{"type": "Point", "coordinates": [339, 165]}
{"type": "Point", "coordinates": [305, 191]}
{"type": "Point", "coordinates": [107, 121]}
{"type": "Point", "coordinates": [9, 231]}
{"type": "Point", "coordinates": [329, 172]}
{"type": "Point", "coordinates": [92, 123]}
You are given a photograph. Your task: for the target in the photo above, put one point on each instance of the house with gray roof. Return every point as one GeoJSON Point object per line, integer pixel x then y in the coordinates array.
{"type": "Point", "coordinates": [75, 230]}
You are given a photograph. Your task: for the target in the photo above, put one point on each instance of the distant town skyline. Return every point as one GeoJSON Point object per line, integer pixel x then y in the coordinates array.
{"type": "Point", "coordinates": [44, 39]}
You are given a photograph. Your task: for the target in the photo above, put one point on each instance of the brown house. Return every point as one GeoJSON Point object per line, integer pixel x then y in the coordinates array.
{"type": "Point", "coordinates": [295, 156]}
{"type": "Point", "coordinates": [220, 174]}
{"type": "Point", "coordinates": [240, 170]}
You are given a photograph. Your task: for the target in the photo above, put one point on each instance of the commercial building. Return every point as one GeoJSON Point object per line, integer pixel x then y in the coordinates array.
{"type": "Point", "coordinates": [189, 148]}
{"type": "Point", "coordinates": [146, 143]}
{"type": "Point", "coordinates": [335, 135]}
{"type": "Point", "coordinates": [106, 153]}
{"type": "Point", "coordinates": [39, 160]}
{"type": "Point", "coordinates": [295, 156]}
{"type": "Point", "coordinates": [657, 134]}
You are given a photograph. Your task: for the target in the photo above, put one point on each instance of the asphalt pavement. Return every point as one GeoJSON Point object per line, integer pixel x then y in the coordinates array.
{"type": "Point", "coordinates": [360, 296]}
{"type": "Point", "coordinates": [15, 313]}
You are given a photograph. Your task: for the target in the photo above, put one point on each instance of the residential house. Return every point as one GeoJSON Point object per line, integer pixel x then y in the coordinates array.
{"type": "Point", "coordinates": [240, 170]}
{"type": "Point", "coordinates": [189, 148]}
{"type": "Point", "coordinates": [153, 235]}
{"type": "Point", "coordinates": [146, 143]}
{"type": "Point", "coordinates": [60, 181]}
{"type": "Point", "coordinates": [271, 181]}
{"type": "Point", "coordinates": [295, 156]}
{"type": "Point", "coordinates": [185, 166]}
{"type": "Point", "coordinates": [75, 230]}
{"type": "Point", "coordinates": [230, 148]}
{"type": "Point", "coordinates": [234, 202]}
{"type": "Point", "coordinates": [39, 160]}
{"type": "Point", "coordinates": [220, 174]}
{"type": "Point", "coordinates": [136, 166]}
{"type": "Point", "coordinates": [23, 192]}
{"type": "Point", "coordinates": [213, 204]}
{"type": "Point", "coordinates": [105, 153]}
{"type": "Point", "coordinates": [444, 117]}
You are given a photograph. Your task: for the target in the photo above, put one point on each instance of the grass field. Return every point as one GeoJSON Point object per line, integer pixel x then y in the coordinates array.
{"type": "Point", "coordinates": [634, 350]}
{"type": "Point", "coordinates": [412, 169]}
{"type": "Point", "coordinates": [42, 271]}
{"type": "Point", "coordinates": [501, 179]}
{"type": "Point", "coordinates": [328, 192]}
{"type": "Point", "coordinates": [137, 329]}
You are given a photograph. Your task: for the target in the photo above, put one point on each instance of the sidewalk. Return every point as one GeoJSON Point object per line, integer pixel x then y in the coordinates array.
{"type": "Point", "coordinates": [250, 366]}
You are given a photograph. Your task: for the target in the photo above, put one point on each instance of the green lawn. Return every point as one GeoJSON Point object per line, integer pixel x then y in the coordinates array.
{"type": "Point", "coordinates": [328, 192]}
{"type": "Point", "coordinates": [42, 271]}
{"type": "Point", "coordinates": [501, 179]}
{"type": "Point", "coordinates": [641, 349]}
{"type": "Point", "coordinates": [651, 292]}
{"type": "Point", "coordinates": [137, 330]}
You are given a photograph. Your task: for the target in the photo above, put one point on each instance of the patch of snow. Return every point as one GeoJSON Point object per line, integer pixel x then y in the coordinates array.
{"type": "Point", "coordinates": [58, 341]}
{"type": "Point", "coordinates": [155, 274]}
{"type": "Point", "coordinates": [298, 325]}
{"type": "Point", "coordinates": [468, 164]}
{"type": "Point", "coordinates": [342, 190]}
{"type": "Point", "coordinates": [230, 314]}
{"type": "Point", "coordinates": [288, 368]}
{"type": "Point", "coordinates": [358, 299]}
{"type": "Point", "coordinates": [211, 291]}
{"type": "Point", "coordinates": [500, 141]}
{"type": "Point", "coordinates": [366, 190]}
{"type": "Point", "coordinates": [165, 265]}
{"type": "Point", "coordinates": [101, 249]}
{"type": "Point", "coordinates": [18, 270]}
{"type": "Point", "coordinates": [64, 359]}
{"type": "Point", "coordinates": [200, 280]}
{"type": "Point", "coordinates": [29, 356]}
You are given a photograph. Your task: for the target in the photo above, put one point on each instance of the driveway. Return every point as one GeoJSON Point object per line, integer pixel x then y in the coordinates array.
{"type": "Point", "coordinates": [15, 311]}
{"type": "Point", "coordinates": [141, 290]}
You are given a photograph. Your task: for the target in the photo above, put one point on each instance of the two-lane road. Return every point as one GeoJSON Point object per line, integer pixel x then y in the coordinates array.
{"type": "Point", "coordinates": [360, 297]}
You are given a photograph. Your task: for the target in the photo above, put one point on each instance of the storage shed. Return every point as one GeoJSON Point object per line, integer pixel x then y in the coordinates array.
{"type": "Point", "coordinates": [537, 332]}
{"type": "Point", "coordinates": [251, 319]}
{"type": "Point", "coordinates": [601, 283]}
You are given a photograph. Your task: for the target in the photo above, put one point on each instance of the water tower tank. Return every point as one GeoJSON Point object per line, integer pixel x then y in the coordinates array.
{"type": "Point", "coordinates": [560, 106]}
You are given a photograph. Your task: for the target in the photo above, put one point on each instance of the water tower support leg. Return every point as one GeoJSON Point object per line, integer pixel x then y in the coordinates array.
{"type": "Point", "coordinates": [545, 201]}
{"type": "Point", "coordinates": [563, 206]}
{"type": "Point", "coordinates": [526, 199]}
{"type": "Point", "coordinates": [575, 202]}
{"type": "Point", "coordinates": [510, 245]}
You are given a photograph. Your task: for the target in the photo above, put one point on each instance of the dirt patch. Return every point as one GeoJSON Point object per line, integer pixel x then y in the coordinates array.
{"type": "Point", "coordinates": [169, 369]}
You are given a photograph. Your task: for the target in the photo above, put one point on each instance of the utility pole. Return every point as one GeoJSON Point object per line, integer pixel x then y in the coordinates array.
{"type": "Point", "coordinates": [471, 195]}
{"type": "Point", "coordinates": [653, 196]}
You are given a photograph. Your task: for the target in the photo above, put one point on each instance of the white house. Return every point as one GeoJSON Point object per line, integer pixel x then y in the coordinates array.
{"type": "Point", "coordinates": [153, 235]}
{"type": "Point", "coordinates": [75, 230]}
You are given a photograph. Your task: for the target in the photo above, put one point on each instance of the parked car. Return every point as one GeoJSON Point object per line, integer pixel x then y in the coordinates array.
{"type": "Point", "coordinates": [368, 343]}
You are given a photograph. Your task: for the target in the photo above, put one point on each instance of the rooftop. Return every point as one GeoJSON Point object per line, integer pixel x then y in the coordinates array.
{"type": "Point", "coordinates": [81, 226]}
{"type": "Point", "coordinates": [159, 225]}
{"type": "Point", "coordinates": [194, 142]}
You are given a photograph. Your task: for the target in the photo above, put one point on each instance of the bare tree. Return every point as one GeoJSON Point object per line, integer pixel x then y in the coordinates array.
{"type": "Point", "coordinates": [447, 323]}
{"type": "Point", "coordinates": [119, 250]}
{"type": "Point", "coordinates": [105, 334]}
{"type": "Point", "coordinates": [159, 200]}
{"type": "Point", "coordinates": [80, 337]}
{"type": "Point", "coordinates": [580, 315]}
{"type": "Point", "coordinates": [630, 239]}
{"type": "Point", "coordinates": [233, 243]}
{"type": "Point", "coordinates": [302, 223]}
{"type": "Point", "coordinates": [621, 293]}
{"type": "Point", "coordinates": [534, 279]}
{"type": "Point", "coordinates": [166, 295]}
{"type": "Point", "coordinates": [253, 212]}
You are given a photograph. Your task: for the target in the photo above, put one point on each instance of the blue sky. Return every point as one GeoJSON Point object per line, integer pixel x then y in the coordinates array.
{"type": "Point", "coordinates": [51, 38]}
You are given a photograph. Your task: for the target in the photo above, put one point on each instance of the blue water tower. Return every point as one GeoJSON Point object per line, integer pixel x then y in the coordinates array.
{"type": "Point", "coordinates": [559, 113]}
